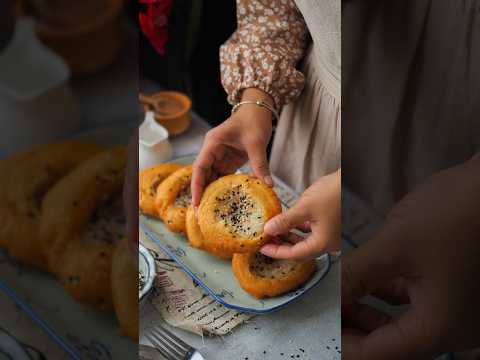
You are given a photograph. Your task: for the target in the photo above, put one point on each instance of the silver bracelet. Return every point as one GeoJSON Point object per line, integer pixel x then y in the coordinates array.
{"type": "Point", "coordinates": [258, 103]}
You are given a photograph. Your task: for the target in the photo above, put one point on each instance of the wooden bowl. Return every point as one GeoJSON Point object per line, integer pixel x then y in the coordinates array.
{"type": "Point", "coordinates": [171, 109]}
{"type": "Point", "coordinates": [87, 44]}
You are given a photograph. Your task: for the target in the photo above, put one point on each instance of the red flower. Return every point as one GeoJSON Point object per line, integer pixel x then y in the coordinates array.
{"type": "Point", "coordinates": [154, 21]}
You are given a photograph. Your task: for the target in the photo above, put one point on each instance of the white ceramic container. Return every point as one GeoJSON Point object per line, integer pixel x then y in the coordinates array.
{"type": "Point", "coordinates": [36, 103]}
{"type": "Point", "coordinates": [146, 265]}
{"type": "Point", "coordinates": [154, 146]}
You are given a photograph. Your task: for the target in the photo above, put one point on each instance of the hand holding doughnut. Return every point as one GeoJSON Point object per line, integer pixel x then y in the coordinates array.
{"type": "Point", "coordinates": [318, 212]}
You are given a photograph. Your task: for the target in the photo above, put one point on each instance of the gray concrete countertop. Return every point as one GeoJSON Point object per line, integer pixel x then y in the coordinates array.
{"type": "Point", "coordinates": [306, 329]}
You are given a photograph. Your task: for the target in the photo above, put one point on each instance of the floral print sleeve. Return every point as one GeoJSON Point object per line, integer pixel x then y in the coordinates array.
{"type": "Point", "coordinates": [264, 50]}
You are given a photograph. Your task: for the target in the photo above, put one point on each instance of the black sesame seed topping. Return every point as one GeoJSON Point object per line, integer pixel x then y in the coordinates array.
{"type": "Point", "coordinates": [234, 210]}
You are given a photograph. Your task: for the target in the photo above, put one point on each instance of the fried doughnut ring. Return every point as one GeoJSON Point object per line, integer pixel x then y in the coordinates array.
{"type": "Point", "coordinates": [195, 237]}
{"type": "Point", "coordinates": [6, 217]}
{"type": "Point", "coordinates": [84, 272]}
{"type": "Point", "coordinates": [43, 166]}
{"type": "Point", "coordinates": [125, 289]}
{"type": "Point", "coordinates": [262, 276]}
{"type": "Point", "coordinates": [82, 267]}
{"type": "Point", "coordinates": [173, 198]}
{"type": "Point", "coordinates": [233, 212]}
{"type": "Point", "coordinates": [148, 181]}
{"type": "Point", "coordinates": [27, 177]}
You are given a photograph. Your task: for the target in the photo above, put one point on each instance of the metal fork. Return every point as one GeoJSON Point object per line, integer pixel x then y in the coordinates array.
{"type": "Point", "coordinates": [170, 346]}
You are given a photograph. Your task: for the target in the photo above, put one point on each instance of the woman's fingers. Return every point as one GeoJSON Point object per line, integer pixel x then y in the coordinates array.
{"type": "Point", "coordinates": [302, 249]}
{"type": "Point", "coordinates": [257, 155]}
{"type": "Point", "coordinates": [369, 268]}
{"type": "Point", "coordinates": [282, 224]}
{"type": "Point", "coordinates": [277, 241]}
{"type": "Point", "coordinates": [288, 220]}
{"type": "Point", "coordinates": [305, 227]}
{"type": "Point", "coordinates": [363, 317]}
{"type": "Point", "coordinates": [395, 340]}
{"type": "Point", "coordinates": [394, 293]}
{"type": "Point", "coordinates": [201, 171]}
{"type": "Point", "coordinates": [377, 263]}
{"type": "Point", "coordinates": [281, 251]}
{"type": "Point", "coordinates": [291, 238]}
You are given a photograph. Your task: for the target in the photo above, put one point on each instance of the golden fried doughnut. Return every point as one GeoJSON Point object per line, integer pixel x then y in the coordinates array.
{"type": "Point", "coordinates": [173, 198]}
{"type": "Point", "coordinates": [148, 181]}
{"type": "Point", "coordinates": [195, 237]}
{"type": "Point", "coordinates": [30, 178]}
{"type": "Point", "coordinates": [8, 216]}
{"type": "Point", "coordinates": [262, 276]}
{"type": "Point", "coordinates": [125, 289]}
{"type": "Point", "coordinates": [5, 213]}
{"type": "Point", "coordinates": [27, 177]}
{"type": "Point", "coordinates": [82, 216]}
{"type": "Point", "coordinates": [84, 271]}
{"type": "Point", "coordinates": [6, 224]}
{"type": "Point", "coordinates": [233, 212]}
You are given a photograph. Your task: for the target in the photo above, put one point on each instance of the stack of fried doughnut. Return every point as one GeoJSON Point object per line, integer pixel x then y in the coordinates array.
{"type": "Point", "coordinates": [61, 212]}
{"type": "Point", "coordinates": [228, 224]}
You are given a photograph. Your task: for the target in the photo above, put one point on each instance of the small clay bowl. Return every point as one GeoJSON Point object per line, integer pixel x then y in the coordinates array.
{"type": "Point", "coordinates": [171, 109]}
{"type": "Point", "coordinates": [86, 46]}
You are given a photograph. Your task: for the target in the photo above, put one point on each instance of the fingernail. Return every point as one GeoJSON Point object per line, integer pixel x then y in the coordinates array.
{"type": "Point", "coordinates": [268, 180]}
{"type": "Point", "coordinates": [269, 227]}
{"type": "Point", "coordinates": [265, 249]}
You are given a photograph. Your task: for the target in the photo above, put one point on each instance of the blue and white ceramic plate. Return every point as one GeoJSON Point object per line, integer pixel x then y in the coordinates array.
{"type": "Point", "coordinates": [215, 275]}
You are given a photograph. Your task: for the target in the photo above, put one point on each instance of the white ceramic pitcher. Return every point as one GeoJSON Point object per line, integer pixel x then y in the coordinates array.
{"type": "Point", "coordinates": [36, 103]}
{"type": "Point", "coordinates": [154, 147]}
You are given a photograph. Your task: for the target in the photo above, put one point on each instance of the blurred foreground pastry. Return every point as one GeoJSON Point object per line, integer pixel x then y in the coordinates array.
{"type": "Point", "coordinates": [82, 220]}
{"type": "Point", "coordinates": [125, 289]}
{"type": "Point", "coordinates": [26, 178]}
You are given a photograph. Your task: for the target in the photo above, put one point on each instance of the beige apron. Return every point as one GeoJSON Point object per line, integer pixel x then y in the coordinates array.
{"type": "Point", "coordinates": [411, 93]}
{"type": "Point", "coordinates": [307, 142]}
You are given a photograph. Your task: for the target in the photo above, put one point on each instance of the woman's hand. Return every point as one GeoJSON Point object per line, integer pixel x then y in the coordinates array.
{"type": "Point", "coordinates": [317, 211]}
{"type": "Point", "coordinates": [242, 137]}
{"type": "Point", "coordinates": [426, 254]}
